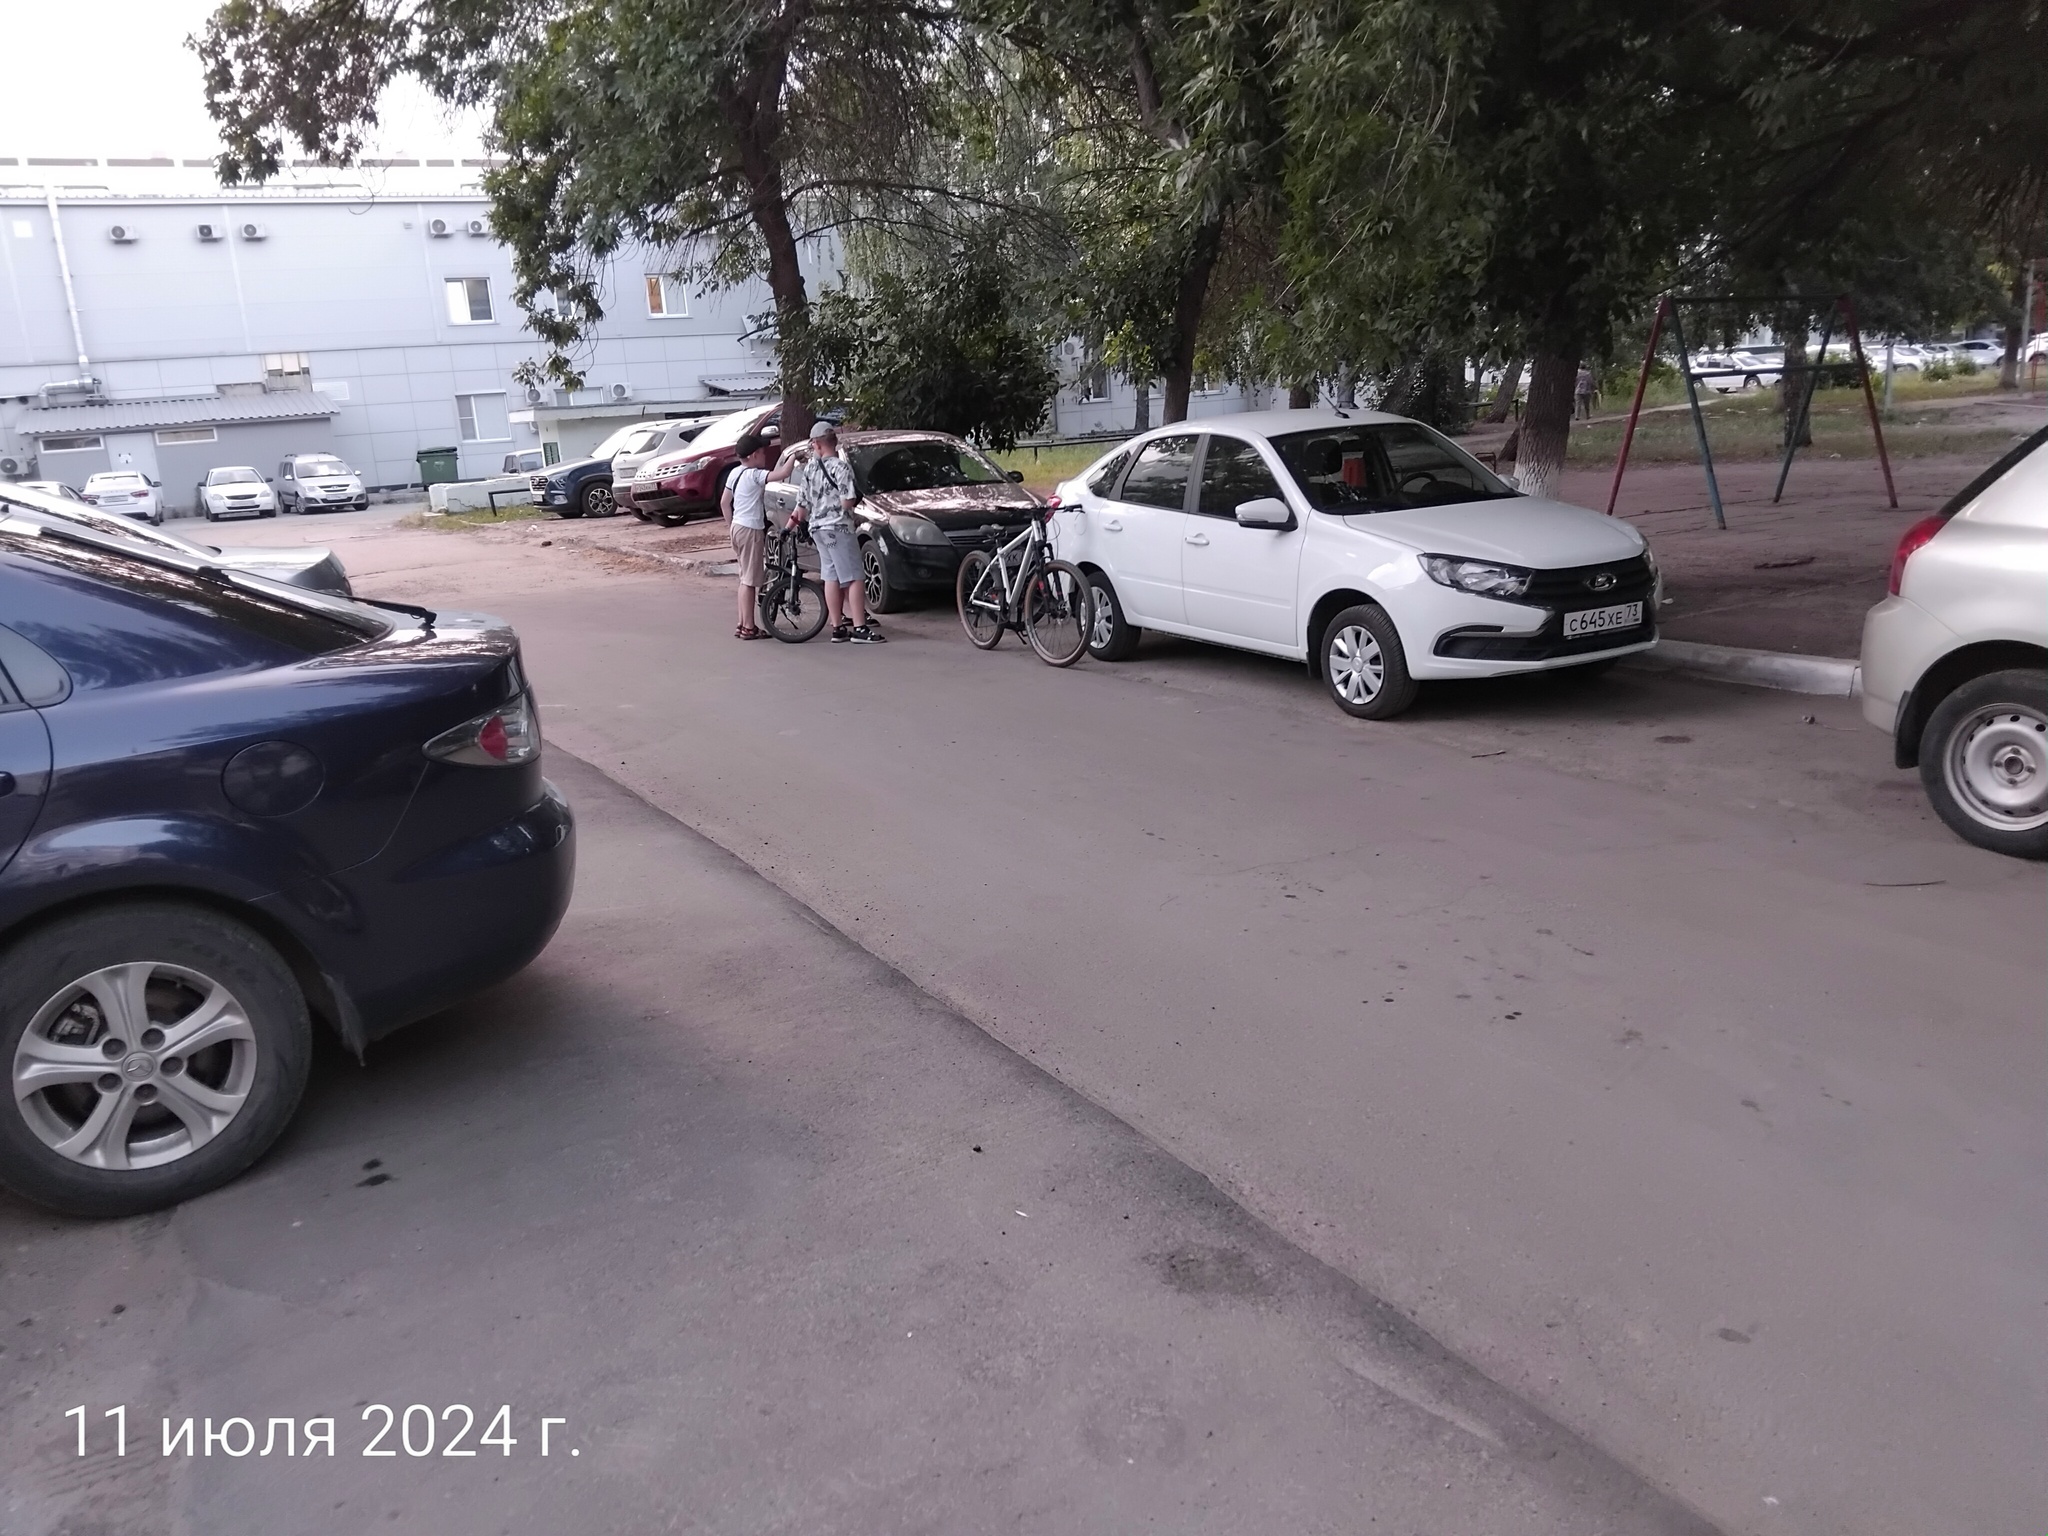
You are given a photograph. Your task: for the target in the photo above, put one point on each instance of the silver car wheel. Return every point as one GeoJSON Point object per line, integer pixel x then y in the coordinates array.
{"type": "Point", "coordinates": [1996, 764]}
{"type": "Point", "coordinates": [1357, 667]}
{"type": "Point", "coordinates": [135, 1065]}
{"type": "Point", "coordinates": [1103, 630]}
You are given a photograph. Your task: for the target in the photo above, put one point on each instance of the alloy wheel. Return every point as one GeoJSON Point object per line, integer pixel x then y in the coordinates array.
{"type": "Point", "coordinates": [135, 1065]}
{"type": "Point", "coordinates": [1102, 629]}
{"type": "Point", "coordinates": [1358, 669]}
{"type": "Point", "coordinates": [1997, 767]}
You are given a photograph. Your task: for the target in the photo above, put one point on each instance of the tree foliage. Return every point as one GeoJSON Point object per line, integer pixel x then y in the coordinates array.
{"type": "Point", "coordinates": [938, 346]}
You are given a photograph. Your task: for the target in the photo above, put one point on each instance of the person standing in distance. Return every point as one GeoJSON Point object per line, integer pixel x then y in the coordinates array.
{"type": "Point", "coordinates": [744, 502]}
{"type": "Point", "coordinates": [826, 495]}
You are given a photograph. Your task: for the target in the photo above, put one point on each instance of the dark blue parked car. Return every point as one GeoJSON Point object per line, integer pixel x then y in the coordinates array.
{"type": "Point", "coordinates": [230, 809]}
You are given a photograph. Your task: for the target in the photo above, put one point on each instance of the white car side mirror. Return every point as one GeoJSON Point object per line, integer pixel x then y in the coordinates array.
{"type": "Point", "coordinates": [1265, 512]}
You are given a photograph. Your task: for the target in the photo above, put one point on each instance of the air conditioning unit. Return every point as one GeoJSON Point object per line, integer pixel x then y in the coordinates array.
{"type": "Point", "coordinates": [619, 392]}
{"type": "Point", "coordinates": [478, 227]}
{"type": "Point", "coordinates": [208, 231]}
{"type": "Point", "coordinates": [535, 395]}
{"type": "Point", "coordinates": [439, 229]}
{"type": "Point", "coordinates": [11, 466]}
{"type": "Point", "coordinates": [122, 234]}
{"type": "Point", "coordinates": [254, 231]}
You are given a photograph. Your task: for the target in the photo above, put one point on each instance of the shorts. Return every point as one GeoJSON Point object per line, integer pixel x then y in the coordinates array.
{"type": "Point", "coordinates": [838, 553]}
{"type": "Point", "coordinates": [751, 545]}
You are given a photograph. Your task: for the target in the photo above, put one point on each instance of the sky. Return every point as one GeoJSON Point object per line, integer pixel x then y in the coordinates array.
{"type": "Point", "coordinates": [114, 77]}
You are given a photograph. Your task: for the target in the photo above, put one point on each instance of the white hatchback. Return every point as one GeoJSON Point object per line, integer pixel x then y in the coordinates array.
{"type": "Point", "coordinates": [1367, 545]}
{"type": "Point", "coordinates": [1955, 660]}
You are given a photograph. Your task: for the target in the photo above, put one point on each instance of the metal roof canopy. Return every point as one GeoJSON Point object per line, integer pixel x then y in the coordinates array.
{"type": "Point", "coordinates": [186, 411]}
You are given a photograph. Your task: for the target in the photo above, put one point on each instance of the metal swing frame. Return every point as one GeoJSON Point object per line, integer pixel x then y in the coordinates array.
{"type": "Point", "coordinates": [1668, 306]}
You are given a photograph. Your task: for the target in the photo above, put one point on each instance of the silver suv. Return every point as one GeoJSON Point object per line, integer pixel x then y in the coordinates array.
{"type": "Point", "coordinates": [654, 439]}
{"type": "Point", "coordinates": [319, 482]}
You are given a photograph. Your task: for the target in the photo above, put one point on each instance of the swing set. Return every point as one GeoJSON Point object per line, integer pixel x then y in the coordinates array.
{"type": "Point", "coordinates": [1668, 306]}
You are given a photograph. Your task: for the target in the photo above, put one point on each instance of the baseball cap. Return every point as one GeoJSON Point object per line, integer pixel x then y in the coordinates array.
{"type": "Point", "coordinates": [823, 429]}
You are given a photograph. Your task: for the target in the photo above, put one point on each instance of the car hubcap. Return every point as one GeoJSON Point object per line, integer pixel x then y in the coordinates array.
{"type": "Point", "coordinates": [1103, 629]}
{"type": "Point", "coordinates": [871, 576]}
{"type": "Point", "coordinates": [134, 1066]}
{"type": "Point", "coordinates": [1357, 669]}
{"type": "Point", "coordinates": [599, 500]}
{"type": "Point", "coordinates": [1997, 767]}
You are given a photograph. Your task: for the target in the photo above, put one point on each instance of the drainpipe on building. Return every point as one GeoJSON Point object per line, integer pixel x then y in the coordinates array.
{"type": "Point", "coordinates": [70, 293]}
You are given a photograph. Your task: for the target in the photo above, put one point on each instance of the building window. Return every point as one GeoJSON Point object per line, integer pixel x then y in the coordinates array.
{"type": "Point", "coordinates": [173, 435]}
{"type": "Point", "coordinates": [286, 365]}
{"type": "Point", "coordinates": [469, 300]}
{"type": "Point", "coordinates": [1094, 384]}
{"type": "Point", "coordinates": [483, 418]}
{"type": "Point", "coordinates": [72, 444]}
{"type": "Point", "coordinates": [667, 298]}
{"type": "Point", "coordinates": [1202, 384]}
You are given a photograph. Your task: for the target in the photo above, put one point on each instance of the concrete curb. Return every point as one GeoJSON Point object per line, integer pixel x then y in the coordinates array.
{"type": "Point", "coordinates": [1829, 675]}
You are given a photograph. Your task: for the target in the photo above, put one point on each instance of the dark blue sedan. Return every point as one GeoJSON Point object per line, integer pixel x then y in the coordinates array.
{"type": "Point", "coordinates": [229, 809]}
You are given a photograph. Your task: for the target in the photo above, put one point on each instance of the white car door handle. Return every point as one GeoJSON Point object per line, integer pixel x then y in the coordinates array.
{"type": "Point", "coordinates": [1112, 526]}
{"type": "Point", "coordinates": [1198, 538]}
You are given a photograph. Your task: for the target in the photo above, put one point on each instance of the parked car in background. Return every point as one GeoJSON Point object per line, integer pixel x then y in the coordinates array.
{"type": "Point", "coordinates": [1979, 354]}
{"type": "Point", "coordinates": [675, 487]}
{"type": "Point", "coordinates": [925, 498]}
{"type": "Point", "coordinates": [128, 492]}
{"type": "Point", "coordinates": [1759, 371]}
{"type": "Point", "coordinates": [297, 565]}
{"type": "Point", "coordinates": [55, 488]}
{"type": "Point", "coordinates": [238, 812]}
{"type": "Point", "coordinates": [655, 440]}
{"type": "Point", "coordinates": [525, 461]}
{"type": "Point", "coordinates": [583, 487]}
{"type": "Point", "coordinates": [1368, 546]}
{"type": "Point", "coordinates": [1955, 659]}
{"type": "Point", "coordinates": [235, 492]}
{"type": "Point", "coordinates": [319, 482]}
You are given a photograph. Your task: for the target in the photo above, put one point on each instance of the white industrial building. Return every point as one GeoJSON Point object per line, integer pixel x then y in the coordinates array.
{"type": "Point", "coordinates": [156, 321]}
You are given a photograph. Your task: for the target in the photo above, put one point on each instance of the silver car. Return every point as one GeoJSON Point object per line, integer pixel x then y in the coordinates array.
{"type": "Point", "coordinates": [237, 491]}
{"type": "Point", "coordinates": [319, 482]}
{"type": "Point", "coordinates": [317, 570]}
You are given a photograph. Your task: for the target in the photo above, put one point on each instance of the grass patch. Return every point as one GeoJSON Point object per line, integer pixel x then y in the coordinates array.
{"type": "Point", "coordinates": [1748, 427]}
{"type": "Point", "coordinates": [1046, 467]}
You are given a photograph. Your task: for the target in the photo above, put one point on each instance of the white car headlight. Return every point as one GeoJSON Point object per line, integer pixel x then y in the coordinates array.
{"type": "Point", "coordinates": [1480, 577]}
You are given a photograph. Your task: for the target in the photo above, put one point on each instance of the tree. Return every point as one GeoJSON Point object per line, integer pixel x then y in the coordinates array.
{"type": "Point", "coordinates": [724, 134]}
{"type": "Point", "coordinates": [938, 346]}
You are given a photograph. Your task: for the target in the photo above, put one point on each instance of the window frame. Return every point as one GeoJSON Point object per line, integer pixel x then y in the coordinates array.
{"type": "Point", "coordinates": [1193, 439]}
{"type": "Point", "coordinates": [1209, 441]}
{"type": "Point", "coordinates": [466, 423]}
{"type": "Point", "coordinates": [172, 437]}
{"type": "Point", "coordinates": [287, 365]}
{"type": "Point", "coordinates": [664, 286]}
{"type": "Point", "coordinates": [1085, 384]}
{"type": "Point", "coordinates": [73, 442]}
{"type": "Point", "coordinates": [450, 286]}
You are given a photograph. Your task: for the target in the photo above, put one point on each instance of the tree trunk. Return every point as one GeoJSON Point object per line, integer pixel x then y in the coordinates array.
{"type": "Point", "coordinates": [1792, 386]}
{"type": "Point", "coordinates": [1300, 397]}
{"type": "Point", "coordinates": [1546, 423]}
{"type": "Point", "coordinates": [1189, 295]}
{"type": "Point", "coordinates": [1141, 421]}
{"type": "Point", "coordinates": [2009, 365]}
{"type": "Point", "coordinates": [1504, 398]}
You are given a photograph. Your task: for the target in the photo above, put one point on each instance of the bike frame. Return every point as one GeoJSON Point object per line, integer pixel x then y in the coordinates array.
{"type": "Point", "coordinates": [1033, 541]}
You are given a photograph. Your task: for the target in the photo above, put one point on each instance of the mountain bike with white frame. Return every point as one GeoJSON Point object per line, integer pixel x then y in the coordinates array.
{"type": "Point", "coordinates": [1019, 585]}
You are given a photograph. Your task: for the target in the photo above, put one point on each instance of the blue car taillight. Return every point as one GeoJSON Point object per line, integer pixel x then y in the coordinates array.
{"type": "Point", "coordinates": [506, 737]}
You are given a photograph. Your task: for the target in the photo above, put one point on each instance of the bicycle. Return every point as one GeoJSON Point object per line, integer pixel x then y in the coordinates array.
{"type": "Point", "coordinates": [1045, 600]}
{"type": "Point", "coordinates": [792, 601]}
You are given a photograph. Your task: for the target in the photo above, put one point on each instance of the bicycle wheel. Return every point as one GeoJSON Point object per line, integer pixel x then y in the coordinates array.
{"type": "Point", "coordinates": [1056, 613]}
{"type": "Point", "coordinates": [979, 588]}
{"type": "Point", "coordinates": [792, 605]}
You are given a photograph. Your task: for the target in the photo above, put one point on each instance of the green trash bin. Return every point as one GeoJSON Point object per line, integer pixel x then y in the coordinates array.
{"type": "Point", "coordinates": [438, 466]}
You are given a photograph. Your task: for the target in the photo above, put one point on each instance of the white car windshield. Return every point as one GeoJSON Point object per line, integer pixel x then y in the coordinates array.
{"type": "Point", "coordinates": [234, 477]}
{"type": "Point", "coordinates": [1384, 467]}
{"type": "Point", "coordinates": [323, 467]}
{"type": "Point", "coordinates": [615, 444]}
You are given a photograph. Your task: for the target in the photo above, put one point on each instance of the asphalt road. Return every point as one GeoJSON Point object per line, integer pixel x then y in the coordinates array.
{"type": "Point", "coordinates": [1645, 1043]}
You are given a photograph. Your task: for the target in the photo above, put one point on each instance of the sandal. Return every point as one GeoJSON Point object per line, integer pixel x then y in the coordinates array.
{"type": "Point", "coordinates": [746, 632]}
